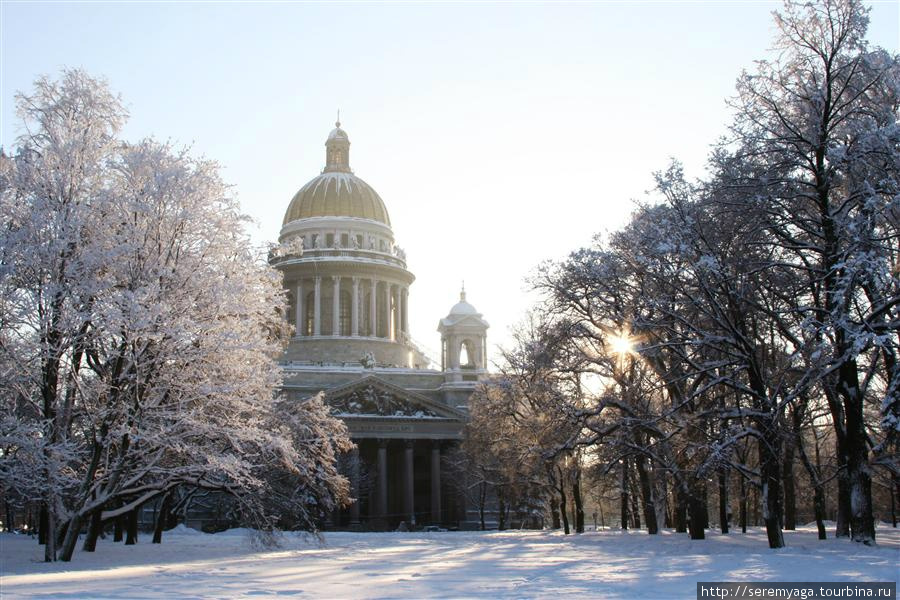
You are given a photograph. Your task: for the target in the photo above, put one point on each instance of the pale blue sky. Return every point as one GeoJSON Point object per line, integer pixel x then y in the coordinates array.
{"type": "Point", "coordinates": [498, 134]}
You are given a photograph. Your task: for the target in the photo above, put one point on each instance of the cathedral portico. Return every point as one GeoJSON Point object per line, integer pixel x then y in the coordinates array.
{"type": "Point", "coordinates": [398, 480]}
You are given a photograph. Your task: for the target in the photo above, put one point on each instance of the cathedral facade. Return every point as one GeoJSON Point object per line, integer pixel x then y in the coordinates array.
{"type": "Point", "coordinates": [349, 294]}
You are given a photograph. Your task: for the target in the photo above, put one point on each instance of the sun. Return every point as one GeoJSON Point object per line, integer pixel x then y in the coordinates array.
{"type": "Point", "coordinates": [621, 343]}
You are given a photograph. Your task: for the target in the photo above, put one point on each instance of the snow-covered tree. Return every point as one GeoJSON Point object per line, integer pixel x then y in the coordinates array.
{"type": "Point", "coordinates": [818, 149]}
{"type": "Point", "coordinates": [763, 293]}
{"type": "Point", "coordinates": [140, 327]}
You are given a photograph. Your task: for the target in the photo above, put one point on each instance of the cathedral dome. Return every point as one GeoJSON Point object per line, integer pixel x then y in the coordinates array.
{"type": "Point", "coordinates": [337, 192]}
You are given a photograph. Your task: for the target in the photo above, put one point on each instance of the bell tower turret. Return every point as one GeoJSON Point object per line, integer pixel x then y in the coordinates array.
{"type": "Point", "coordinates": [463, 350]}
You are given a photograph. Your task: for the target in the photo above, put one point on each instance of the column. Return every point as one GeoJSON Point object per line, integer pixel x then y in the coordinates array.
{"type": "Point", "coordinates": [395, 311]}
{"type": "Point", "coordinates": [300, 317]}
{"type": "Point", "coordinates": [436, 482]}
{"type": "Point", "coordinates": [387, 310]}
{"type": "Point", "coordinates": [336, 304]}
{"type": "Point", "coordinates": [382, 478]}
{"type": "Point", "coordinates": [354, 485]}
{"type": "Point", "coordinates": [408, 487]}
{"type": "Point", "coordinates": [373, 313]}
{"type": "Point", "coordinates": [354, 310]}
{"type": "Point", "coordinates": [317, 308]}
{"type": "Point", "coordinates": [405, 306]}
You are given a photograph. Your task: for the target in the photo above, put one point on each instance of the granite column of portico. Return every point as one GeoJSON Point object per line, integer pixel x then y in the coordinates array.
{"type": "Point", "coordinates": [436, 482]}
{"type": "Point", "coordinates": [382, 478]}
{"type": "Point", "coordinates": [408, 487]}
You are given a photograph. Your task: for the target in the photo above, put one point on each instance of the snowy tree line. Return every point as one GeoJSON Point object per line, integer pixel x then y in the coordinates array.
{"type": "Point", "coordinates": [739, 328]}
{"type": "Point", "coordinates": [139, 333]}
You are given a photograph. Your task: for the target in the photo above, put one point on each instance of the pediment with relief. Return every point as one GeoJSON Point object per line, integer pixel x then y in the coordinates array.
{"type": "Point", "coordinates": [372, 397]}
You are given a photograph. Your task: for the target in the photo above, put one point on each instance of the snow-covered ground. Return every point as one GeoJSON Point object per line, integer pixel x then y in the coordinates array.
{"type": "Point", "coordinates": [527, 564]}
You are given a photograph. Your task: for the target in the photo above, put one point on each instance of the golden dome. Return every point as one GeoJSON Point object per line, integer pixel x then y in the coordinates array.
{"type": "Point", "coordinates": [337, 194]}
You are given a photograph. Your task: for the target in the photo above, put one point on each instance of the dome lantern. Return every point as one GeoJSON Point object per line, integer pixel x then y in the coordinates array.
{"type": "Point", "coordinates": [337, 150]}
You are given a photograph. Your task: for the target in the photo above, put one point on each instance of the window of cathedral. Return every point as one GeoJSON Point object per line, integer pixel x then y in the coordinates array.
{"type": "Point", "coordinates": [326, 321]}
{"type": "Point", "coordinates": [329, 240]}
{"type": "Point", "coordinates": [345, 240]}
{"type": "Point", "coordinates": [292, 308]}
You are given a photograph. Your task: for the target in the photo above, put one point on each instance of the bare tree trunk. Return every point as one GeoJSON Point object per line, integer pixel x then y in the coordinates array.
{"type": "Point", "coordinates": [814, 472]}
{"type": "Point", "coordinates": [73, 529]}
{"type": "Point", "coordinates": [790, 500]}
{"type": "Point", "coordinates": [634, 496]}
{"type": "Point", "coordinates": [723, 500]}
{"type": "Point", "coordinates": [554, 511]}
{"type": "Point", "coordinates": [755, 499]}
{"type": "Point", "coordinates": [744, 514]}
{"type": "Point", "coordinates": [131, 527]}
{"type": "Point", "coordinates": [623, 495]}
{"type": "Point", "coordinates": [862, 518]}
{"type": "Point", "coordinates": [162, 518]}
{"type": "Point", "coordinates": [771, 482]}
{"type": "Point", "coordinates": [118, 528]}
{"type": "Point", "coordinates": [50, 538]}
{"type": "Point", "coordinates": [894, 483]}
{"type": "Point", "coordinates": [680, 507]}
{"type": "Point", "coordinates": [11, 523]}
{"type": "Point", "coordinates": [94, 529]}
{"type": "Point", "coordinates": [501, 501]}
{"type": "Point", "coordinates": [43, 524]}
{"type": "Point", "coordinates": [562, 507]}
{"type": "Point", "coordinates": [577, 499]}
{"type": "Point", "coordinates": [647, 495]}
{"type": "Point", "coordinates": [563, 501]}
{"type": "Point", "coordinates": [819, 509]}
{"type": "Point", "coordinates": [482, 499]}
{"type": "Point", "coordinates": [661, 498]}
{"type": "Point", "coordinates": [842, 520]}
{"type": "Point", "coordinates": [697, 511]}
{"type": "Point", "coordinates": [705, 496]}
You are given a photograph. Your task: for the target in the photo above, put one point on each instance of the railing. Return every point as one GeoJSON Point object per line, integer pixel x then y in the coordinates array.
{"type": "Point", "coordinates": [340, 253]}
{"type": "Point", "coordinates": [353, 364]}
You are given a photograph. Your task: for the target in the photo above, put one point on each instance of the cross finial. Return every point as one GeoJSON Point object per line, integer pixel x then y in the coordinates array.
{"type": "Point", "coordinates": [462, 292]}
{"type": "Point", "coordinates": [338, 122]}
